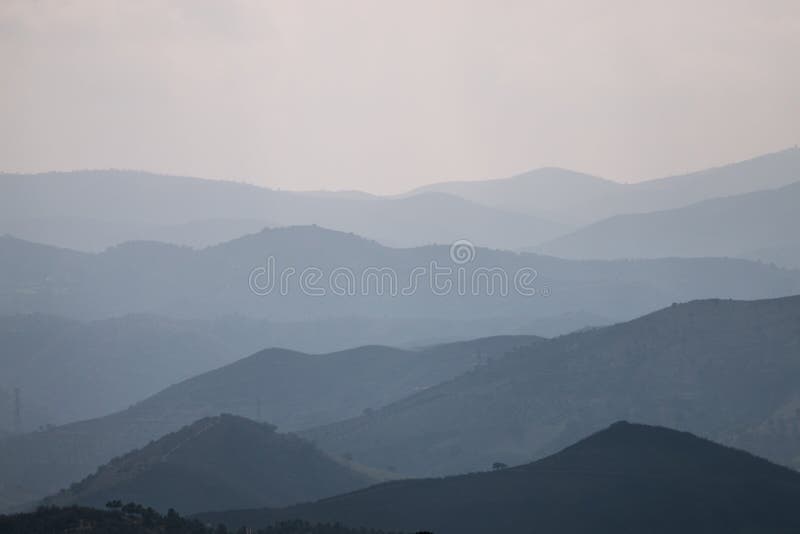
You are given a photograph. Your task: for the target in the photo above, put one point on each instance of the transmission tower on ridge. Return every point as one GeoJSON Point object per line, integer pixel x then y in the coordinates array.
{"type": "Point", "coordinates": [17, 412]}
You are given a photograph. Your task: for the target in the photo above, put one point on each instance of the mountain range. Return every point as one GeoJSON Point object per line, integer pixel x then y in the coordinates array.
{"type": "Point", "coordinates": [522, 211]}
{"type": "Point", "coordinates": [291, 389]}
{"type": "Point", "coordinates": [53, 208]}
{"type": "Point", "coordinates": [727, 370]}
{"type": "Point", "coordinates": [157, 331]}
{"type": "Point", "coordinates": [626, 478]}
{"type": "Point", "coordinates": [580, 199]}
{"type": "Point", "coordinates": [68, 370]}
{"type": "Point", "coordinates": [379, 282]}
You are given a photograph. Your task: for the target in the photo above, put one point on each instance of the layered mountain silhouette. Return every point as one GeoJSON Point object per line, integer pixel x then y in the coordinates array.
{"type": "Point", "coordinates": [217, 463]}
{"type": "Point", "coordinates": [291, 389]}
{"type": "Point", "coordinates": [145, 277]}
{"type": "Point", "coordinates": [124, 205]}
{"type": "Point", "coordinates": [741, 225]}
{"type": "Point", "coordinates": [626, 478]}
{"type": "Point", "coordinates": [70, 370]}
{"type": "Point", "coordinates": [80, 370]}
{"type": "Point", "coordinates": [525, 210]}
{"type": "Point", "coordinates": [724, 369]}
{"type": "Point", "coordinates": [576, 198]}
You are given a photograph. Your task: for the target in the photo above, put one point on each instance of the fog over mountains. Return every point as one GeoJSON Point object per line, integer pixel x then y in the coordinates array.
{"type": "Point", "coordinates": [54, 208]}
{"type": "Point", "coordinates": [364, 267]}
{"type": "Point", "coordinates": [759, 225]}
{"type": "Point", "coordinates": [212, 346]}
{"type": "Point", "coordinates": [581, 199]}
{"type": "Point", "coordinates": [522, 211]}
{"type": "Point", "coordinates": [149, 277]}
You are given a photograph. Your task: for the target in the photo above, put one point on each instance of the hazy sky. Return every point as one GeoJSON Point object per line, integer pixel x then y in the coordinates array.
{"type": "Point", "coordinates": [384, 96]}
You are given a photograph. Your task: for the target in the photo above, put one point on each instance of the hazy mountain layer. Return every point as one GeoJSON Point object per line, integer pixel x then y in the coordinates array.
{"type": "Point", "coordinates": [91, 210]}
{"type": "Point", "coordinates": [69, 370]}
{"type": "Point", "coordinates": [95, 235]}
{"type": "Point", "coordinates": [576, 198]}
{"type": "Point", "coordinates": [724, 369]}
{"type": "Point", "coordinates": [374, 281]}
{"type": "Point", "coordinates": [732, 226]}
{"type": "Point", "coordinates": [627, 478]}
{"type": "Point", "coordinates": [292, 389]}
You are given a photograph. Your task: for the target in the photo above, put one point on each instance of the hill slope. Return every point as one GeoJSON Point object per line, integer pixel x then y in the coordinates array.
{"type": "Point", "coordinates": [559, 194]}
{"type": "Point", "coordinates": [69, 370]}
{"type": "Point", "coordinates": [161, 279]}
{"type": "Point", "coordinates": [217, 463]}
{"type": "Point", "coordinates": [724, 369]}
{"type": "Point", "coordinates": [294, 390]}
{"type": "Point", "coordinates": [730, 226]}
{"type": "Point", "coordinates": [80, 370]}
{"type": "Point", "coordinates": [627, 478]}
{"type": "Point", "coordinates": [576, 198]}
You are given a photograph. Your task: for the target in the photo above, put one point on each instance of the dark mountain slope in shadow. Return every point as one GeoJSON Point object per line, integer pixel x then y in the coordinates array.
{"type": "Point", "coordinates": [627, 478]}
{"type": "Point", "coordinates": [217, 463]}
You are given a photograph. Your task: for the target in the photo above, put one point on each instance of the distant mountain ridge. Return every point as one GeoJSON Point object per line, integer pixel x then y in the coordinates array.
{"type": "Point", "coordinates": [70, 370]}
{"type": "Point", "coordinates": [581, 199]}
{"type": "Point", "coordinates": [215, 282]}
{"type": "Point", "coordinates": [511, 213]}
{"type": "Point", "coordinates": [626, 478]}
{"type": "Point", "coordinates": [124, 205]}
{"type": "Point", "coordinates": [217, 463]}
{"type": "Point", "coordinates": [557, 193]}
{"type": "Point", "coordinates": [729, 226]}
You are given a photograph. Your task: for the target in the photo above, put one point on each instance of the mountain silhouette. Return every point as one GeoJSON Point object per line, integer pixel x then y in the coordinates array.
{"type": "Point", "coordinates": [580, 199]}
{"type": "Point", "coordinates": [626, 478]}
{"type": "Point", "coordinates": [291, 389]}
{"type": "Point", "coordinates": [129, 205]}
{"type": "Point", "coordinates": [217, 463]}
{"type": "Point", "coordinates": [733, 226]}
{"type": "Point", "coordinates": [723, 369]}
{"type": "Point", "coordinates": [179, 282]}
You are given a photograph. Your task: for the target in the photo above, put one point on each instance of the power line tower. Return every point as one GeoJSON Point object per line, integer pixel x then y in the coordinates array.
{"type": "Point", "coordinates": [17, 412]}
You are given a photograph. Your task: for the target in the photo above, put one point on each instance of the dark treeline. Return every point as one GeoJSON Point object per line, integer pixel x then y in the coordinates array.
{"type": "Point", "coordinates": [136, 519]}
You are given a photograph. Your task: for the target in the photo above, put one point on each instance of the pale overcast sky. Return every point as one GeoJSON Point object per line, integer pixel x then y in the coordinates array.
{"type": "Point", "coordinates": [385, 96]}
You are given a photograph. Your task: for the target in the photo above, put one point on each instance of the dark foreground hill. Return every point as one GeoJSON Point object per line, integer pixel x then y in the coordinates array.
{"type": "Point", "coordinates": [218, 463]}
{"type": "Point", "coordinates": [627, 478]}
{"type": "Point", "coordinates": [728, 370]}
{"type": "Point", "coordinates": [290, 389]}
{"type": "Point", "coordinates": [136, 519]}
